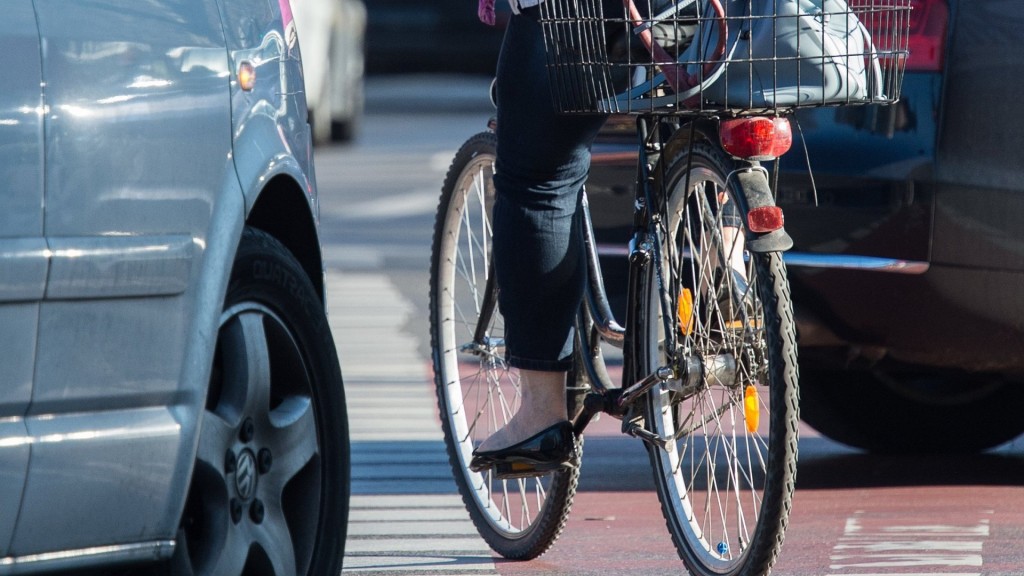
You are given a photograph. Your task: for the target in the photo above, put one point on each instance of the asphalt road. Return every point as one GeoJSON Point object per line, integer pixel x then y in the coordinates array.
{"type": "Point", "coordinates": [854, 514]}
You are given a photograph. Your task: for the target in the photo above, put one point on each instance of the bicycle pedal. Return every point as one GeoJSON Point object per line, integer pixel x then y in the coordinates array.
{"type": "Point", "coordinates": [647, 436]}
{"type": "Point", "coordinates": [526, 469]}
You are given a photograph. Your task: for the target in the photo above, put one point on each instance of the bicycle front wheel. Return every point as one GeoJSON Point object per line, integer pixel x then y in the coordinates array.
{"type": "Point", "coordinates": [721, 317]}
{"type": "Point", "coordinates": [477, 391]}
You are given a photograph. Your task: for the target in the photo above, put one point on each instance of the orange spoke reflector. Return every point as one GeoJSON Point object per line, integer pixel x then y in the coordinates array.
{"type": "Point", "coordinates": [685, 307]}
{"type": "Point", "coordinates": [751, 408]}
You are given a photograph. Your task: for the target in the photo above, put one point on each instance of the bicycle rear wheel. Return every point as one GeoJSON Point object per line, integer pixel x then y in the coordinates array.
{"type": "Point", "coordinates": [477, 391]}
{"type": "Point", "coordinates": [724, 321]}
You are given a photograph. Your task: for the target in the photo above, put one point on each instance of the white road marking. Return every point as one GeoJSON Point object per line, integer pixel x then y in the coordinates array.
{"type": "Point", "coordinates": [406, 516]}
{"type": "Point", "coordinates": [876, 543]}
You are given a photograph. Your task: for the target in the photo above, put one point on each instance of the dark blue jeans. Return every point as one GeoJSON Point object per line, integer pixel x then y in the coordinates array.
{"type": "Point", "coordinates": [542, 163]}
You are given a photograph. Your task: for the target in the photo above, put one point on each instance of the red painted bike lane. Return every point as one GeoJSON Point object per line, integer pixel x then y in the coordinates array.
{"type": "Point", "coordinates": [854, 515]}
{"type": "Point", "coordinates": [616, 525]}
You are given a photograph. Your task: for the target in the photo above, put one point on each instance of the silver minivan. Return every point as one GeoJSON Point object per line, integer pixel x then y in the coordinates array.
{"type": "Point", "coordinates": [169, 388]}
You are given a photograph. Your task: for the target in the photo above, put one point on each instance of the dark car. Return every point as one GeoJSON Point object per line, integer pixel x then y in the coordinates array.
{"type": "Point", "coordinates": [908, 266]}
{"type": "Point", "coordinates": [404, 36]}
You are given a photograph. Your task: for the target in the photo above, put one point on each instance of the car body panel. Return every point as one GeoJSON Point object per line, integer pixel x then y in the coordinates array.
{"type": "Point", "coordinates": [255, 35]}
{"type": "Point", "coordinates": [941, 187]}
{"type": "Point", "coordinates": [66, 486]}
{"type": "Point", "coordinates": [981, 145]}
{"type": "Point", "coordinates": [123, 231]}
{"type": "Point", "coordinates": [22, 247]}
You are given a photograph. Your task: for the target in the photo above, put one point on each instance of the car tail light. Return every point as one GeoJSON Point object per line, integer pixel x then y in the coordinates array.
{"type": "Point", "coordinates": [756, 138]}
{"type": "Point", "coordinates": [928, 21]}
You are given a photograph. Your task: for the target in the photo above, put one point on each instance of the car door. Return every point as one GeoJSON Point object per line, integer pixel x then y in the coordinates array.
{"type": "Point", "coordinates": [138, 145]}
{"type": "Point", "coordinates": [22, 248]}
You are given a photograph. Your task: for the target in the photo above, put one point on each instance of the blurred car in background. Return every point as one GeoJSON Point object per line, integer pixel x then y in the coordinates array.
{"type": "Point", "coordinates": [416, 36]}
{"type": "Point", "coordinates": [908, 268]}
{"type": "Point", "coordinates": [333, 36]}
{"type": "Point", "coordinates": [170, 392]}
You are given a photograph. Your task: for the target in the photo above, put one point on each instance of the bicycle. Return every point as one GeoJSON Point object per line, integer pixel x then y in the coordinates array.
{"type": "Point", "coordinates": [709, 349]}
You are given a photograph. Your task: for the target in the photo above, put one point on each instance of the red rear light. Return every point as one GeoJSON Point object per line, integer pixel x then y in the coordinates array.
{"type": "Point", "coordinates": [756, 138]}
{"type": "Point", "coordinates": [928, 21]}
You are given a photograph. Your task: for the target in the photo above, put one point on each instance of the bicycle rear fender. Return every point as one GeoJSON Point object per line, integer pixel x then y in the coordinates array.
{"type": "Point", "coordinates": [758, 194]}
{"type": "Point", "coordinates": [753, 183]}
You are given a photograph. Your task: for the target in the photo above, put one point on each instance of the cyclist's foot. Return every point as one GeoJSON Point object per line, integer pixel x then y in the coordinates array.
{"type": "Point", "coordinates": [542, 410]}
{"type": "Point", "coordinates": [542, 405]}
{"type": "Point", "coordinates": [550, 449]}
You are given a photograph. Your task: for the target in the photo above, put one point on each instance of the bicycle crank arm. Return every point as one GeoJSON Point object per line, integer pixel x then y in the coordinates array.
{"type": "Point", "coordinates": [608, 402]}
{"type": "Point", "coordinates": [595, 403]}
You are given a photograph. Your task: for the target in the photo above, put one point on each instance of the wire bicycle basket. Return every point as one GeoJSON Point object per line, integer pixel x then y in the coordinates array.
{"type": "Point", "coordinates": [693, 57]}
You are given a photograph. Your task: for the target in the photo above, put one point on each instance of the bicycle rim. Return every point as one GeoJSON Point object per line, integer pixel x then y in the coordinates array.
{"type": "Point", "coordinates": [727, 476]}
{"type": "Point", "coordinates": [477, 391]}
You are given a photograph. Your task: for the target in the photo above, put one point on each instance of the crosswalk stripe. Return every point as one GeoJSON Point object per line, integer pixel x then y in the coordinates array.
{"type": "Point", "coordinates": [406, 516]}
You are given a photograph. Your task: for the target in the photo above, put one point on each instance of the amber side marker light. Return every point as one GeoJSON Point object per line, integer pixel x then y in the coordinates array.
{"type": "Point", "coordinates": [246, 75]}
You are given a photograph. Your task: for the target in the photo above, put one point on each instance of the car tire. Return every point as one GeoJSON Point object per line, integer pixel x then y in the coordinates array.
{"type": "Point", "coordinates": [343, 131]}
{"type": "Point", "coordinates": [912, 412]}
{"type": "Point", "coordinates": [270, 487]}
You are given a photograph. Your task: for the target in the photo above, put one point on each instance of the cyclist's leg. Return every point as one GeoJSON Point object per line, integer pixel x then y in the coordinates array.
{"type": "Point", "coordinates": [542, 162]}
{"type": "Point", "coordinates": [732, 234]}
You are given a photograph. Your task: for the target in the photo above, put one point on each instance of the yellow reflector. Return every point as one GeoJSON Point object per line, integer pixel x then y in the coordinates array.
{"type": "Point", "coordinates": [685, 311]}
{"type": "Point", "coordinates": [751, 408]}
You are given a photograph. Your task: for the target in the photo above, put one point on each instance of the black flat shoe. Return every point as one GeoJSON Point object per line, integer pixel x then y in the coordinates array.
{"type": "Point", "coordinates": [550, 449]}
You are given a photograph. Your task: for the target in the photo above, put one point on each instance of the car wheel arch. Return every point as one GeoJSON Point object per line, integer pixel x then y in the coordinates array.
{"type": "Point", "coordinates": [283, 211]}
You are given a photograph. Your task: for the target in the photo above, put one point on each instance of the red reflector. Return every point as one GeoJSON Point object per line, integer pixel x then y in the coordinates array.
{"type": "Point", "coordinates": [765, 219]}
{"type": "Point", "coordinates": [756, 138]}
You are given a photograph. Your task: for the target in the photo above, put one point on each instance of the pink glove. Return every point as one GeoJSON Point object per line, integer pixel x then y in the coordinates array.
{"type": "Point", "coordinates": [485, 11]}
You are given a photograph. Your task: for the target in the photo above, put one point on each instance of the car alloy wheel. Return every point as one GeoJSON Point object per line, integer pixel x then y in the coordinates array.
{"type": "Point", "coordinates": [269, 492]}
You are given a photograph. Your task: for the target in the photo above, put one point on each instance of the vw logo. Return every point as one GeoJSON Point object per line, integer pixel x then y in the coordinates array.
{"type": "Point", "coordinates": [245, 475]}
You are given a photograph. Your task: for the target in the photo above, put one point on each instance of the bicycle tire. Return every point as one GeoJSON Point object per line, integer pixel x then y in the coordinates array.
{"type": "Point", "coordinates": [727, 477]}
{"type": "Point", "coordinates": [476, 391]}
